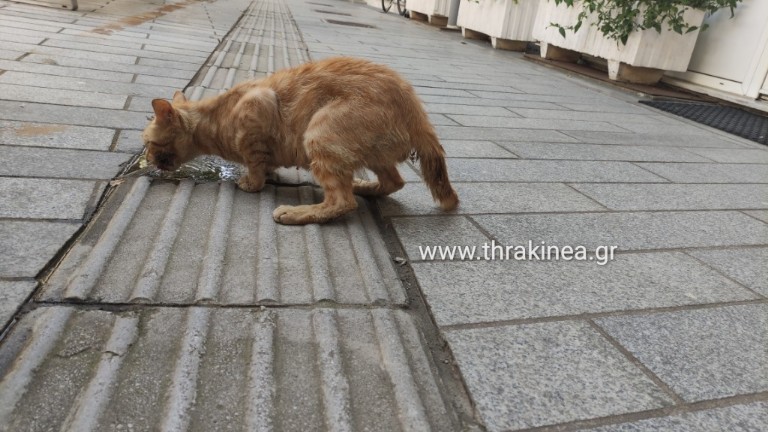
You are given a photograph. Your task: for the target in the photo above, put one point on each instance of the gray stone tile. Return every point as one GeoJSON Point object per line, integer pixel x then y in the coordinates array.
{"type": "Point", "coordinates": [654, 139]}
{"type": "Point", "coordinates": [662, 128]}
{"type": "Point", "coordinates": [10, 55]}
{"type": "Point", "coordinates": [99, 65]}
{"type": "Point", "coordinates": [82, 84]}
{"type": "Point", "coordinates": [600, 152]}
{"type": "Point", "coordinates": [55, 135]}
{"type": "Point", "coordinates": [629, 231]}
{"type": "Point", "coordinates": [415, 199]}
{"type": "Point", "coordinates": [440, 119]}
{"type": "Point", "coordinates": [542, 94]}
{"type": "Point", "coordinates": [61, 97]}
{"type": "Point", "coordinates": [759, 214]}
{"type": "Point", "coordinates": [81, 54]}
{"type": "Point", "coordinates": [161, 64]}
{"type": "Point", "coordinates": [28, 246]}
{"type": "Point", "coordinates": [701, 354]}
{"type": "Point", "coordinates": [12, 296]}
{"type": "Point", "coordinates": [526, 123]}
{"type": "Point", "coordinates": [486, 291]}
{"type": "Point", "coordinates": [747, 266]}
{"type": "Point", "coordinates": [733, 155]}
{"type": "Point", "coordinates": [129, 141]}
{"type": "Point", "coordinates": [677, 196]}
{"type": "Point", "coordinates": [608, 107]}
{"type": "Point", "coordinates": [736, 418]}
{"type": "Point", "coordinates": [709, 172]}
{"type": "Point", "coordinates": [470, 101]}
{"type": "Point", "coordinates": [617, 118]}
{"type": "Point", "coordinates": [76, 72]}
{"type": "Point", "coordinates": [501, 134]}
{"type": "Point", "coordinates": [79, 47]}
{"type": "Point", "coordinates": [442, 92]}
{"type": "Point", "coordinates": [178, 83]}
{"type": "Point", "coordinates": [465, 86]}
{"type": "Point", "coordinates": [80, 116]}
{"type": "Point", "coordinates": [46, 162]}
{"type": "Point", "coordinates": [45, 198]}
{"type": "Point", "coordinates": [549, 373]}
{"type": "Point", "coordinates": [420, 232]}
{"type": "Point", "coordinates": [474, 149]}
{"type": "Point", "coordinates": [468, 109]}
{"type": "Point", "coordinates": [547, 171]}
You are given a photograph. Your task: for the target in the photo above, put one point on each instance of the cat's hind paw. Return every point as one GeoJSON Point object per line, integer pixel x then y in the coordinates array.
{"type": "Point", "coordinates": [295, 215]}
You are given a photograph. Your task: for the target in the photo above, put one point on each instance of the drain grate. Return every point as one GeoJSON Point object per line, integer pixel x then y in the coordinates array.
{"type": "Point", "coordinates": [349, 23]}
{"type": "Point", "coordinates": [331, 12]}
{"type": "Point", "coordinates": [745, 124]}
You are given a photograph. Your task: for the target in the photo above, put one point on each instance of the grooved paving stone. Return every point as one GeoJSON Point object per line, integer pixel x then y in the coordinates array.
{"type": "Point", "coordinates": [474, 149]}
{"type": "Point", "coordinates": [55, 135]}
{"type": "Point", "coordinates": [45, 162]}
{"type": "Point", "coordinates": [485, 291]}
{"type": "Point", "coordinates": [733, 155]}
{"type": "Point", "coordinates": [736, 418]}
{"type": "Point", "coordinates": [501, 134]}
{"type": "Point", "coordinates": [46, 198]}
{"type": "Point", "coordinates": [547, 171]}
{"type": "Point", "coordinates": [527, 123]}
{"type": "Point", "coordinates": [600, 152]}
{"type": "Point", "coordinates": [655, 139]}
{"type": "Point", "coordinates": [422, 232]}
{"type": "Point", "coordinates": [701, 354]}
{"type": "Point", "coordinates": [12, 296]}
{"type": "Point", "coordinates": [548, 373]}
{"type": "Point", "coordinates": [709, 172]}
{"type": "Point", "coordinates": [629, 231]}
{"type": "Point", "coordinates": [219, 369]}
{"type": "Point", "coordinates": [28, 246]}
{"type": "Point", "coordinates": [677, 196]}
{"type": "Point", "coordinates": [747, 266]}
{"type": "Point", "coordinates": [166, 243]}
{"type": "Point", "coordinates": [415, 199]}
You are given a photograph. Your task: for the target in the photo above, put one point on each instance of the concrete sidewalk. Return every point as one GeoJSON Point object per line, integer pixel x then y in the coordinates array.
{"type": "Point", "coordinates": [163, 315]}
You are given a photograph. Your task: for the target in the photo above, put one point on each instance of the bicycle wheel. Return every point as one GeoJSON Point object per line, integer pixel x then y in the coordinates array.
{"type": "Point", "coordinates": [401, 7]}
{"type": "Point", "coordinates": [386, 5]}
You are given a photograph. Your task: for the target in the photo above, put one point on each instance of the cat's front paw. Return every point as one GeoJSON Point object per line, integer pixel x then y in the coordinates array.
{"type": "Point", "coordinates": [294, 215]}
{"type": "Point", "coordinates": [249, 184]}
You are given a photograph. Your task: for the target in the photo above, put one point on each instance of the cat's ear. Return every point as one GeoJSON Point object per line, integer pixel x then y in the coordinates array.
{"type": "Point", "coordinates": [179, 97]}
{"type": "Point", "coordinates": [164, 112]}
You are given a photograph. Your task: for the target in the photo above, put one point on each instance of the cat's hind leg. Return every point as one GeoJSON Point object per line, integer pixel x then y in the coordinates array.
{"type": "Point", "coordinates": [388, 181]}
{"type": "Point", "coordinates": [338, 199]}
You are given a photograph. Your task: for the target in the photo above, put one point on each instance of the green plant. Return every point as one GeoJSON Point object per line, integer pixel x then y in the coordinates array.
{"type": "Point", "coordinates": [617, 19]}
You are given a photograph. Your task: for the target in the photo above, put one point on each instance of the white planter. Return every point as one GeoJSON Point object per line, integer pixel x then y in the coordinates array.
{"type": "Point", "coordinates": [647, 49]}
{"type": "Point", "coordinates": [430, 7]}
{"type": "Point", "coordinates": [502, 19]}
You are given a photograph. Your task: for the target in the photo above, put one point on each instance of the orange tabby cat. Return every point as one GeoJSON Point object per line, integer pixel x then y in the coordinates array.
{"type": "Point", "coordinates": [333, 116]}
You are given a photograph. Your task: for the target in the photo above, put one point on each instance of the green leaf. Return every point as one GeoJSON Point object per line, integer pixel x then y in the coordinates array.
{"type": "Point", "coordinates": [562, 31]}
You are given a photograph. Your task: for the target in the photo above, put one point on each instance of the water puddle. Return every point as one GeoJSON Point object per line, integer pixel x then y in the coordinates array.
{"type": "Point", "coordinates": [202, 169]}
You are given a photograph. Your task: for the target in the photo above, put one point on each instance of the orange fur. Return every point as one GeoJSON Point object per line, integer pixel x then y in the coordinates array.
{"type": "Point", "coordinates": [333, 117]}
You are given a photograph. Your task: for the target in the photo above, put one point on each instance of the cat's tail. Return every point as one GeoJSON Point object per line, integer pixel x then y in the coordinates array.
{"type": "Point", "coordinates": [433, 169]}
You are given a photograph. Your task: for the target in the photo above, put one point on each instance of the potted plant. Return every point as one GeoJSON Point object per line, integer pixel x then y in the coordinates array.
{"type": "Point", "coordinates": [508, 23]}
{"type": "Point", "coordinates": [640, 39]}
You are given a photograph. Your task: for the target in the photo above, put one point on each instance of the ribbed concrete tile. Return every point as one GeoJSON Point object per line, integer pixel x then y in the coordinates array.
{"type": "Point", "coordinates": [501, 134]}
{"type": "Point", "coordinates": [61, 97]}
{"type": "Point", "coordinates": [55, 135]}
{"type": "Point", "coordinates": [484, 291]}
{"type": "Point", "coordinates": [548, 171]}
{"type": "Point", "coordinates": [71, 115]}
{"type": "Point", "coordinates": [733, 155]}
{"type": "Point", "coordinates": [629, 231]}
{"type": "Point", "coordinates": [46, 198]}
{"type": "Point", "coordinates": [678, 196]}
{"type": "Point", "coordinates": [736, 418]}
{"type": "Point", "coordinates": [597, 152]}
{"type": "Point", "coordinates": [526, 123]}
{"type": "Point", "coordinates": [709, 172]}
{"type": "Point", "coordinates": [701, 354]}
{"type": "Point", "coordinates": [417, 233]}
{"type": "Point", "coordinates": [747, 266]}
{"type": "Point", "coordinates": [542, 374]}
{"type": "Point", "coordinates": [474, 149]}
{"type": "Point", "coordinates": [655, 139]}
{"type": "Point", "coordinates": [28, 246]}
{"type": "Point", "coordinates": [212, 243]}
{"type": "Point", "coordinates": [46, 162]}
{"type": "Point", "coordinates": [12, 296]}
{"type": "Point", "coordinates": [415, 199]}
{"type": "Point", "coordinates": [758, 214]}
{"type": "Point", "coordinates": [292, 370]}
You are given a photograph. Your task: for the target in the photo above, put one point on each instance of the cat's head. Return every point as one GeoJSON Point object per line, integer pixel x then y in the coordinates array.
{"type": "Point", "coordinates": [168, 137]}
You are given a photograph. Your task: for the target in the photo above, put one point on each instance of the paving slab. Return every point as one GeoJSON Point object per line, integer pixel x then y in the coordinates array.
{"type": "Point", "coordinates": [677, 196]}
{"type": "Point", "coordinates": [733, 155]}
{"type": "Point", "coordinates": [28, 245]}
{"type": "Point", "coordinates": [55, 135]}
{"type": "Point", "coordinates": [71, 115]}
{"type": "Point", "coordinates": [60, 163]}
{"type": "Point", "coordinates": [475, 149]}
{"type": "Point", "coordinates": [701, 354]}
{"type": "Point", "coordinates": [12, 294]}
{"type": "Point", "coordinates": [746, 266]}
{"type": "Point", "coordinates": [679, 139]}
{"type": "Point", "coordinates": [501, 134]}
{"type": "Point", "coordinates": [532, 123]}
{"type": "Point", "coordinates": [223, 368]}
{"type": "Point", "coordinates": [468, 109]}
{"type": "Point", "coordinates": [629, 230]}
{"type": "Point", "coordinates": [758, 214]}
{"type": "Point", "coordinates": [709, 172]}
{"type": "Point", "coordinates": [35, 198]}
{"type": "Point", "coordinates": [508, 170]}
{"type": "Point", "coordinates": [478, 198]}
{"type": "Point", "coordinates": [417, 233]}
{"type": "Point", "coordinates": [542, 374]}
{"type": "Point", "coordinates": [601, 152]}
{"type": "Point", "coordinates": [736, 418]}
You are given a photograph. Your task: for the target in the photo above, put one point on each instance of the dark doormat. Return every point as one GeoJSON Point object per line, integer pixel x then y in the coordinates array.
{"type": "Point", "coordinates": [739, 122]}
